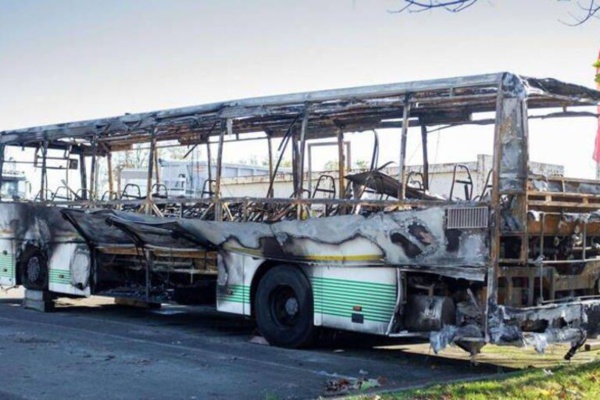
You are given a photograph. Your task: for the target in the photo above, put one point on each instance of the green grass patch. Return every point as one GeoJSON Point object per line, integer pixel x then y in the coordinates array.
{"type": "Point", "coordinates": [564, 382]}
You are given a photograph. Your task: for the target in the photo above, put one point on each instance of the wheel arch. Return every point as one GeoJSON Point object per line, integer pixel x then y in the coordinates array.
{"type": "Point", "coordinates": [283, 305]}
{"type": "Point", "coordinates": [260, 273]}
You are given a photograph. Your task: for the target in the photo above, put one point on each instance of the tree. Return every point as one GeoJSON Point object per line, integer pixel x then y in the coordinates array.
{"type": "Point", "coordinates": [286, 163]}
{"type": "Point", "coordinates": [588, 9]}
{"type": "Point", "coordinates": [331, 165]}
{"type": "Point", "coordinates": [137, 157]}
{"type": "Point", "coordinates": [361, 164]}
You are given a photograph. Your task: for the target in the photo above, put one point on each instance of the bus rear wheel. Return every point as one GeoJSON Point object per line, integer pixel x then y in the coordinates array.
{"type": "Point", "coordinates": [34, 270]}
{"type": "Point", "coordinates": [284, 308]}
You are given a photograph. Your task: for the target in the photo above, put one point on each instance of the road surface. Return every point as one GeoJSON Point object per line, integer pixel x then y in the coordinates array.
{"type": "Point", "coordinates": [94, 349]}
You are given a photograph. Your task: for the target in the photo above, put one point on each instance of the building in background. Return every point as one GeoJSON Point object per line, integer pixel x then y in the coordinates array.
{"type": "Point", "coordinates": [185, 178]}
{"type": "Point", "coordinates": [441, 177]}
{"type": "Point", "coordinates": [189, 179]}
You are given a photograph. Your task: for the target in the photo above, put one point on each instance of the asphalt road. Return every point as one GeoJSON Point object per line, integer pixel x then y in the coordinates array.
{"type": "Point", "coordinates": [97, 350]}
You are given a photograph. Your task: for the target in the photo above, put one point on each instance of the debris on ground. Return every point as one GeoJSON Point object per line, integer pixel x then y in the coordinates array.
{"type": "Point", "coordinates": [259, 340]}
{"type": "Point", "coordinates": [343, 384]}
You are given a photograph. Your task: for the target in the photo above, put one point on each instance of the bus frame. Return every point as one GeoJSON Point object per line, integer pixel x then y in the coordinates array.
{"type": "Point", "coordinates": [516, 264]}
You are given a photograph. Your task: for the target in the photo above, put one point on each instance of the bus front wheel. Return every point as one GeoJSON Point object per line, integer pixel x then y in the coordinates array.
{"type": "Point", "coordinates": [284, 308]}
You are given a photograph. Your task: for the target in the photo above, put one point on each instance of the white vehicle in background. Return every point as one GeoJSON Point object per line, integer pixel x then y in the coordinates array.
{"type": "Point", "coordinates": [15, 185]}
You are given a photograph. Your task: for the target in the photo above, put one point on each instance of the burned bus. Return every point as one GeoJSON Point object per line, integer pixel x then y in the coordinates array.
{"type": "Point", "coordinates": [511, 260]}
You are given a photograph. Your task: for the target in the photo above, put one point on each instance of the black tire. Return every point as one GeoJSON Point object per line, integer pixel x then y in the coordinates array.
{"type": "Point", "coordinates": [34, 270]}
{"type": "Point", "coordinates": [284, 308]}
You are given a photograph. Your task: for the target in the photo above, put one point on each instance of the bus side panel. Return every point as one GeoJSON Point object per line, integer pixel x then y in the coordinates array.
{"type": "Point", "coordinates": [25, 226]}
{"type": "Point", "coordinates": [69, 269]}
{"type": "Point", "coordinates": [8, 270]}
{"type": "Point", "coordinates": [361, 299]}
{"type": "Point", "coordinates": [315, 274]}
{"type": "Point", "coordinates": [233, 283]}
{"type": "Point", "coordinates": [251, 265]}
{"type": "Point", "coordinates": [12, 225]}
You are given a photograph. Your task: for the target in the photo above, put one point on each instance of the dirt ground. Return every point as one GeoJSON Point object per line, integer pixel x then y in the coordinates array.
{"type": "Point", "coordinates": [95, 349]}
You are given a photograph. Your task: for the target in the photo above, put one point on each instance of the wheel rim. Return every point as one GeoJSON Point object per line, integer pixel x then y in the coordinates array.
{"type": "Point", "coordinates": [33, 269]}
{"type": "Point", "coordinates": [284, 306]}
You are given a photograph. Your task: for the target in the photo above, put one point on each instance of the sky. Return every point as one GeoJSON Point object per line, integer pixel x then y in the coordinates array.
{"type": "Point", "coordinates": [66, 60]}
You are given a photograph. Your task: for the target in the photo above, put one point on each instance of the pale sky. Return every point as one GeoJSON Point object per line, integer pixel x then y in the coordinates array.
{"type": "Point", "coordinates": [66, 60]}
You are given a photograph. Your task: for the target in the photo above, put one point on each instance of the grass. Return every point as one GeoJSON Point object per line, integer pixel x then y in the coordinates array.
{"type": "Point", "coordinates": [526, 357]}
{"type": "Point", "coordinates": [565, 382]}
{"type": "Point", "coordinates": [535, 376]}
{"type": "Point", "coordinates": [573, 381]}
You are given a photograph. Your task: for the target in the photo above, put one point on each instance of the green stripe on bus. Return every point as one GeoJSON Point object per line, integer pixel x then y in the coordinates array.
{"type": "Point", "coordinates": [59, 276]}
{"type": "Point", "coordinates": [351, 283]}
{"type": "Point", "coordinates": [351, 303]}
{"type": "Point", "coordinates": [359, 297]}
{"type": "Point", "coordinates": [356, 290]}
{"type": "Point", "coordinates": [240, 294]}
{"type": "Point", "coordinates": [337, 297]}
{"type": "Point", "coordinates": [7, 265]}
{"type": "Point", "coordinates": [59, 272]}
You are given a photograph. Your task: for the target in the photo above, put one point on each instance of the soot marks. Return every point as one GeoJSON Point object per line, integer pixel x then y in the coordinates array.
{"type": "Point", "coordinates": [410, 249]}
{"type": "Point", "coordinates": [453, 240]}
{"type": "Point", "coordinates": [421, 233]}
{"type": "Point", "coordinates": [415, 241]}
{"type": "Point", "coordinates": [271, 247]}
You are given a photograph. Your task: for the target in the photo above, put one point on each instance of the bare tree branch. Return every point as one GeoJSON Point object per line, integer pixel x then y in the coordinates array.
{"type": "Point", "coordinates": [423, 5]}
{"type": "Point", "coordinates": [588, 8]}
{"type": "Point", "coordinates": [413, 6]}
